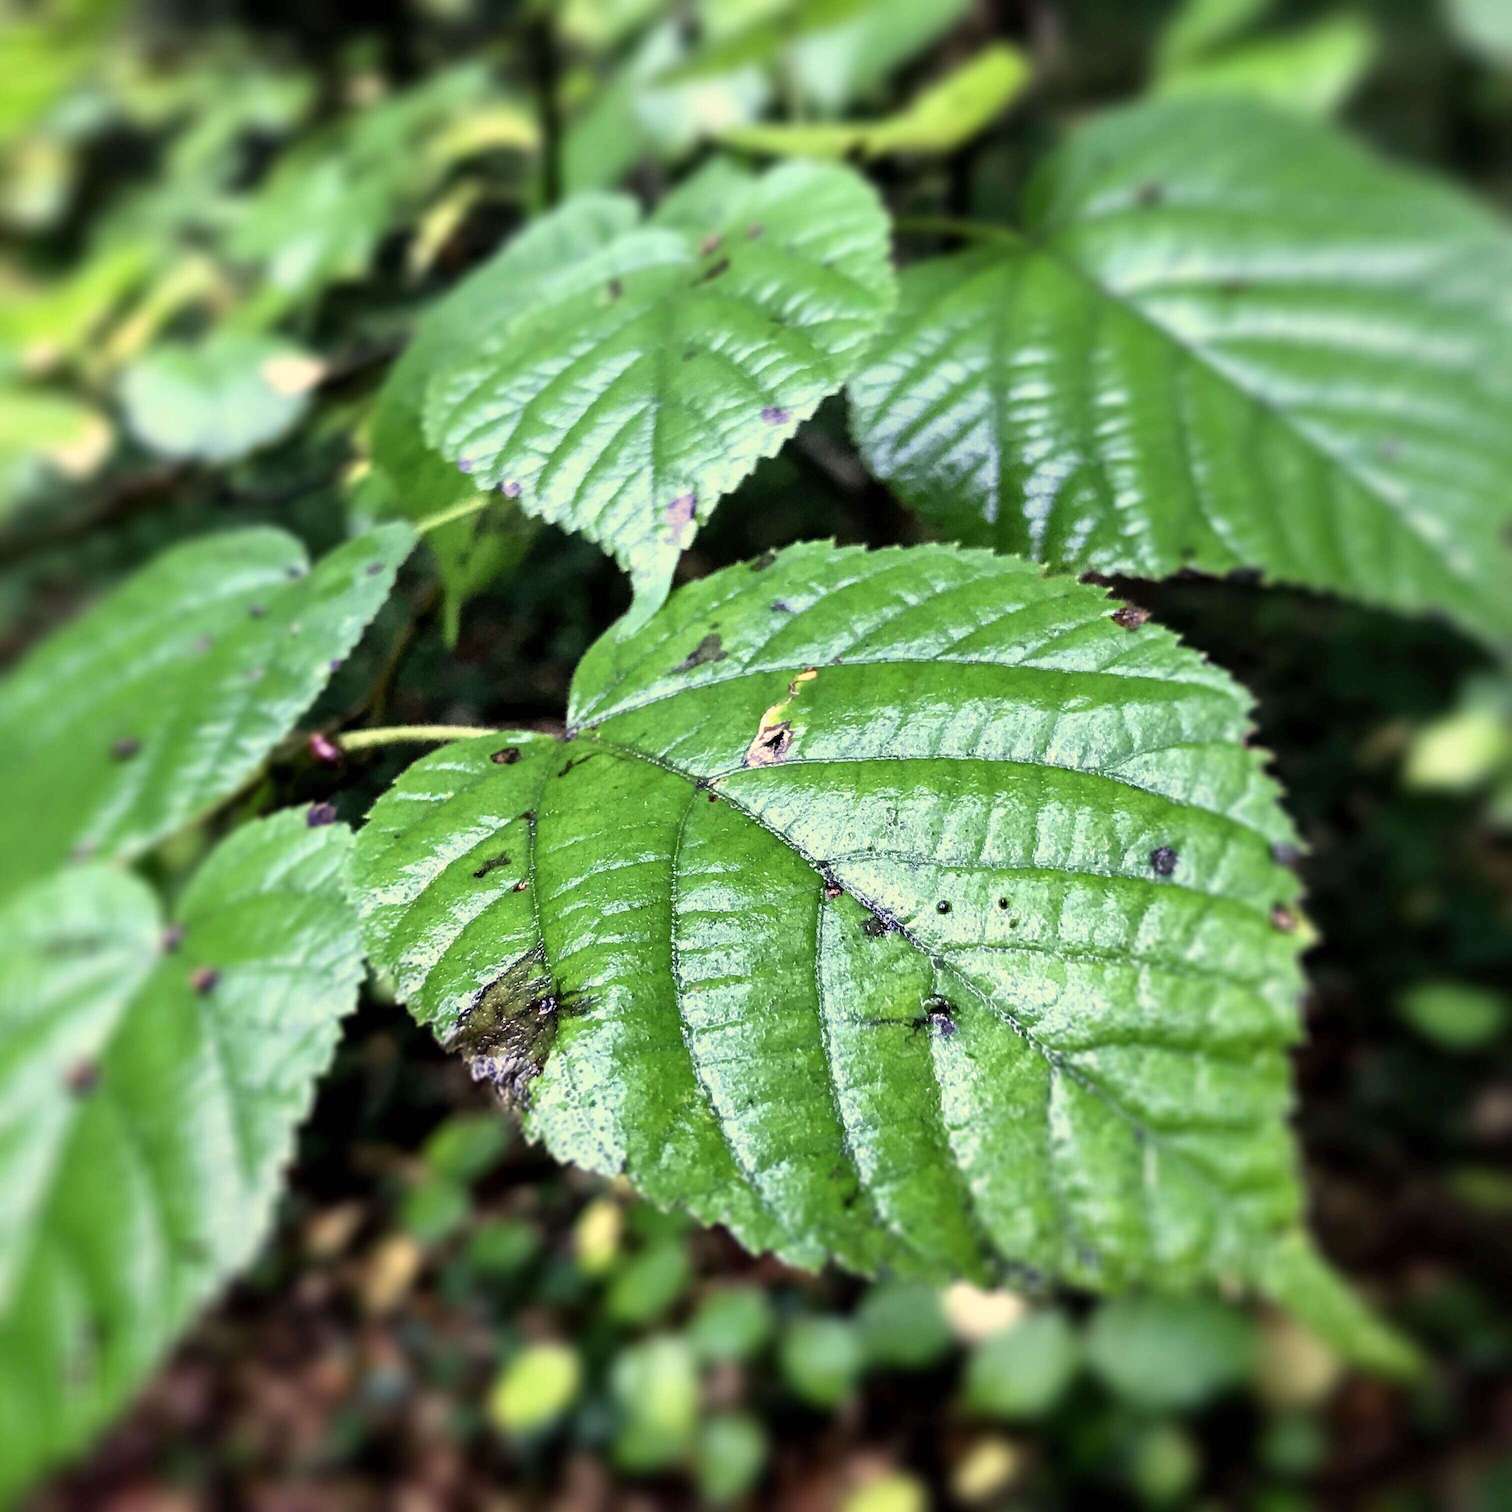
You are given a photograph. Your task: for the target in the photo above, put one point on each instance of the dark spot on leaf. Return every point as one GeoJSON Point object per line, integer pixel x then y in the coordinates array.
{"type": "Point", "coordinates": [709, 649]}
{"type": "Point", "coordinates": [320, 814]}
{"type": "Point", "coordinates": [714, 270]}
{"type": "Point", "coordinates": [324, 749]}
{"type": "Point", "coordinates": [576, 761]}
{"type": "Point", "coordinates": [1285, 855]}
{"type": "Point", "coordinates": [507, 1031]}
{"type": "Point", "coordinates": [680, 513]}
{"type": "Point", "coordinates": [257, 611]}
{"type": "Point", "coordinates": [755, 230]}
{"type": "Point", "coordinates": [528, 816]}
{"type": "Point", "coordinates": [335, 664]}
{"type": "Point", "coordinates": [1163, 860]}
{"type": "Point", "coordinates": [762, 562]}
{"type": "Point", "coordinates": [939, 1015]}
{"type": "Point", "coordinates": [374, 568]}
{"type": "Point", "coordinates": [1130, 616]}
{"type": "Point", "coordinates": [1283, 918]}
{"type": "Point", "coordinates": [204, 979]}
{"type": "Point", "coordinates": [878, 924]}
{"type": "Point", "coordinates": [510, 489]}
{"type": "Point", "coordinates": [832, 889]}
{"type": "Point", "coordinates": [171, 938]}
{"type": "Point", "coordinates": [492, 864]}
{"type": "Point", "coordinates": [82, 1077]}
{"type": "Point", "coordinates": [771, 745]}
{"type": "Point", "coordinates": [294, 572]}
{"type": "Point", "coordinates": [774, 414]}
{"type": "Point", "coordinates": [1002, 903]}
{"type": "Point", "coordinates": [616, 287]}
{"type": "Point", "coordinates": [711, 243]}
{"type": "Point", "coordinates": [689, 353]}
{"type": "Point", "coordinates": [781, 606]}
{"type": "Point", "coordinates": [125, 748]}
{"type": "Point", "coordinates": [713, 797]}
{"type": "Point", "coordinates": [943, 906]}
{"type": "Point", "coordinates": [1233, 285]}
{"type": "Point", "coordinates": [1149, 195]}
{"type": "Point", "coordinates": [520, 886]}
{"type": "Point", "coordinates": [505, 756]}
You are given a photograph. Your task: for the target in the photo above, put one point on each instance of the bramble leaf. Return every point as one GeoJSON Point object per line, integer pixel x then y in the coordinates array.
{"type": "Point", "coordinates": [1228, 339]}
{"type": "Point", "coordinates": [907, 909]}
{"type": "Point", "coordinates": [150, 1084]}
{"type": "Point", "coordinates": [166, 697]}
{"type": "Point", "coordinates": [649, 376]}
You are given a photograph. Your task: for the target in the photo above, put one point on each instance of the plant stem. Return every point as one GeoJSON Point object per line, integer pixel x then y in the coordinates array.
{"type": "Point", "coordinates": [475, 505]}
{"type": "Point", "coordinates": [386, 735]}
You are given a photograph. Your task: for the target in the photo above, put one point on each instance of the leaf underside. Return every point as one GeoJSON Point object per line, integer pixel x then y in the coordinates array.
{"type": "Point", "coordinates": [643, 380]}
{"type": "Point", "coordinates": [150, 1085]}
{"type": "Point", "coordinates": [898, 908]}
{"type": "Point", "coordinates": [164, 699]}
{"type": "Point", "coordinates": [1228, 339]}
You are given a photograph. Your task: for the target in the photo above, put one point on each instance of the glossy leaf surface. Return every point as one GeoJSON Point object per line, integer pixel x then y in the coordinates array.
{"type": "Point", "coordinates": [166, 697]}
{"type": "Point", "coordinates": [904, 908]}
{"type": "Point", "coordinates": [647, 377]}
{"type": "Point", "coordinates": [1229, 338]}
{"type": "Point", "coordinates": [151, 1081]}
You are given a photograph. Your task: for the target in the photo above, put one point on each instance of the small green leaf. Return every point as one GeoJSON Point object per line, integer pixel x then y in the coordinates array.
{"type": "Point", "coordinates": [903, 1325]}
{"type": "Point", "coordinates": [648, 376]}
{"type": "Point", "coordinates": [219, 399]}
{"type": "Point", "coordinates": [732, 1323]}
{"type": "Point", "coordinates": [944, 116]}
{"type": "Point", "coordinates": [150, 1084]}
{"type": "Point", "coordinates": [418, 481]}
{"type": "Point", "coordinates": [729, 1456]}
{"type": "Point", "coordinates": [1311, 69]}
{"type": "Point", "coordinates": [536, 1388]}
{"type": "Point", "coordinates": [1229, 338]}
{"type": "Point", "coordinates": [165, 698]}
{"type": "Point", "coordinates": [1170, 1354]}
{"type": "Point", "coordinates": [1023, 1371]}
{"type": "Point", "coordinates": [1010, 860]}
{"type": "Point", "coordinates": [821, 1359]}
{"type": "Point", "coordinates": [1456, 1015]}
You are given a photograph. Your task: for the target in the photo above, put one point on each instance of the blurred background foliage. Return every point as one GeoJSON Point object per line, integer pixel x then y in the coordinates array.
{"type": "Point", "coordinates": [218, 224]}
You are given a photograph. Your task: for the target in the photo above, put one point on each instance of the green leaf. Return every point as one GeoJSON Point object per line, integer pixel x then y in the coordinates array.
{"type": "Point", "coordinates": [649, 376]}
{"type": "Point", "coordinates": [1311, 69]}
{"type": "Point", "coordinates": [901, 908]}
{"type": "Point", "coordinates": [165, 698]}
{"type": "Point", "coordinates": [833, 66]}
{"type": "Point", "coordinates": [1024, 1370]}
{"type": "Point", "coordinates": [219, 399]}
{"type": "Point", "coordinates": [417, 480]}
{"type": "Point", "coordinates": [1228, 339]}
{"type": "Point", "coordinates": [1198, 28]}
{"type": "Point", "coordinates": [1456, 1016]}
{"type": "Point", "coordinates": [150, 1085]}
{"type": "Point", "coordinates": [939, 120]}
{"type": "Point", "coordinates": [1170, 1354]}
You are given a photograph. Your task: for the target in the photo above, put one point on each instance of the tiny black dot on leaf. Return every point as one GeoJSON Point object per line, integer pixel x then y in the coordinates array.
{"type": "Point", "coordinates": [1163, 860]}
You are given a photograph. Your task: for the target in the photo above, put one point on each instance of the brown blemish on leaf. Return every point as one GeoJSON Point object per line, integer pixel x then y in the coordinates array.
{"type": "Point", "coordinates": [709, 649]}
{"type": "Point", "coordinates": [172, 938]}
{"type": "Point", "coordinates": [939, 1017]}
{"type": "Point", "coordinates": [878, 924]}
{"type": "Point", "coordinates": [492, 864]}
{"type": "Point", "coordinates": [125, 748]}
{"type": "Point", "coordinates": [711, 243]}
{"type": "Point", "coordinates": [203, 979]}
{"type": "Point", "coordinates": [765, 560]}
{"type": "Point", "coordinates": [506, 756]}
{"type": "Point", "coordinates": [774, 414]}
{"type": "Point", "coordinates": [1149, 195]}
{"type": "Point", "coordinates": [1163, 860]}
{"type": "Point", "coordinates": [616, 287]}
{"type": "Point", "coordinates": [682, 518]}
{"type": "Point", "coordinates": [714, 270]}
{"type": "Point", "coordinates": [82, 1077]}
{"type": "Point", "coordinates": [774, 736]}
{"type": "Point", "coordinates": [507, 1031]}
{"type": "Point", "coordinates": [1130, 616]}
{"type": "Point", "coordinates": [1283, 918]}
{"type": "Point", "coordinates": [755, 230]}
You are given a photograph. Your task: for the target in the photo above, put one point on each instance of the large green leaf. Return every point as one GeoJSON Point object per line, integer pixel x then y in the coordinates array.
{"type": "Point", "coordinates": [151, 1080]}
{"type": "Point", "coordinates": [1228, 339]}
{"type": "Point", "coordinates": [650, 375]}
{"type": "Point", "coordinates": [165, 698]}
{"type": "Point", "coordinates": [907, 909]}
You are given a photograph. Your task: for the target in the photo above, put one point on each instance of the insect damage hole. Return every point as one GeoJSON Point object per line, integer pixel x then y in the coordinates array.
{"type": "Point", "coordinates": [506, 1033]}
